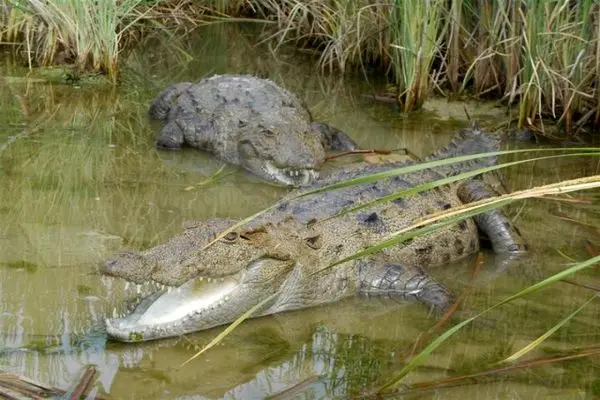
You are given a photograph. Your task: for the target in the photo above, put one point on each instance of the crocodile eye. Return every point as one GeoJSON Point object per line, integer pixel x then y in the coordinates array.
{"type": "Point", "coordinates": [268, 132]}
{"type": "Point", "coordinates": [231, 237]}
{"type": "Point", "coordinates": [314, 242]}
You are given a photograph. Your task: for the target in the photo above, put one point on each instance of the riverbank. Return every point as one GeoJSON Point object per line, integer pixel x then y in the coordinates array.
{"type": "Point", "coordinates": [539, 56]}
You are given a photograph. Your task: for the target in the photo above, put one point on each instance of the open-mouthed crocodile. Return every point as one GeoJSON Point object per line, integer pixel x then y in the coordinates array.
{"type": "Point", "coordinates": [281, 252]}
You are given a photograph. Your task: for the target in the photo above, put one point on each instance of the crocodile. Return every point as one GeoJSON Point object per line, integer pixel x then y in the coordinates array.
{"type": "Point", "coordinates": [250, 122]}
{"type": "Point", "coordinates": [284, 251]}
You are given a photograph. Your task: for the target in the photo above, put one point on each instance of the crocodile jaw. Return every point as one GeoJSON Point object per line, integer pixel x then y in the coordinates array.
{"type": "Point", "coordinates": [288, 176]}
{"type": "Point", "coordinates": [195, 305]}
{"type": "Point", "coordinates": [201, 303]}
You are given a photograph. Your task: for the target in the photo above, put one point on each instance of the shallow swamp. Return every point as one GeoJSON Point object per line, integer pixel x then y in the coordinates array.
{"type": "Point", "coordinates": [80, 179]}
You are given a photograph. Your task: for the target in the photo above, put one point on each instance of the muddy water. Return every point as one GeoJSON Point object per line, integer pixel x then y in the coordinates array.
{"type": "Point", "coordinates": [80, 179]}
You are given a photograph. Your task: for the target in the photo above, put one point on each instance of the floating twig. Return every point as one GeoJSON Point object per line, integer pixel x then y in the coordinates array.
{"type": "Point", "coordinates": [15, 386]}
{"type": "Point", "coordinates": [366, 151]}
{"type": "Point", "coordinates": [292, 392]}
{"type": "Point", "coordinates": [19, 387]}
{"type": "Point", "coordinates": [84, 383]}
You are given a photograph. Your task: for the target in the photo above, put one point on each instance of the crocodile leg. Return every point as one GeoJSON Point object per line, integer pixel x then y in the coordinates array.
{"type": "Point", "coordinates": [187, 129]}
{"type": "Point", "coordinates": [172, 136]}
{"type": "Point", "coordinates": [397, 281]}
{"type": "Point", "coordinates": [333, 138]}
{"type": "Point", "coordinates": [162, 104]}
{"type": "Point", "coordinates": [504, 236]}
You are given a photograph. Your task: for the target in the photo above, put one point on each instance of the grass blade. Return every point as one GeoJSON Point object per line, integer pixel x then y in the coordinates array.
{"type": "Point", "coordinates": [457, 214]}
{"type": "Point", "coordinates": [432, 164]}
{"type": "Point", "coordinates": [230, 328]}
{"type": "Point", "coordinates": [475, 378]}
{"type": "Point", "coordinates": [546, 335]}
{"type": "Point", "coordinates": [413, 231]}
{"type": "Point", "coordinates": [451, 179]}
{"type": "Point", "coordinates": [419, 358]}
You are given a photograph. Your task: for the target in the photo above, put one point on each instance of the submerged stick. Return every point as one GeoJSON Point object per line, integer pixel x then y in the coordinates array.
{"type": "Point", "coordinates": [292, 392]}
{"type": "Point", "coordinates": [18, 387]}
{"type": "Point", "coordinates": [452, 309]}
{"type": "Point", "coordinates": [473, 378]}
{"type": "Point", "coordinates": [366, 151]}
{"type": "Point", "coordinates": [84, 383]}
{"type": "Point", "coordinates": [381, 98]}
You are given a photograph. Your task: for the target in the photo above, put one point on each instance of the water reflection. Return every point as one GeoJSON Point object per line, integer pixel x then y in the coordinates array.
{"type": "Point", "coordinates": [270, 354]}
{"type": "Point", "coordinates": [80, 180]}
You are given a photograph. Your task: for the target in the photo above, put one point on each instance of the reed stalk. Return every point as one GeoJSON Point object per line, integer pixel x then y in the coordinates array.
{"type": "Point", "coordinates": [88, 33]}
{"type": "Point", "coordinates": [542, 56]}
{"type": "Point", "coordinates": [414, 30]}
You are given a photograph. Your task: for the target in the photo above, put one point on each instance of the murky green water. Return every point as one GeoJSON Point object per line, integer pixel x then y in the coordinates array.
{"type": "Point", "coordinates": [80, 179]}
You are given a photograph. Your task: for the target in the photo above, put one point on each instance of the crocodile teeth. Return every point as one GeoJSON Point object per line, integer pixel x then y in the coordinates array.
{"type": "Point", "coordinates": [294, 172]}
{"type": "Point", "coordinates": [107, 282]}
{"type": "Point", "coordinates": [289, 176]}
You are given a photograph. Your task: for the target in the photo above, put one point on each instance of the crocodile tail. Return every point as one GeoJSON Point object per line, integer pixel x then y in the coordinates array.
{"type": "Point", "coordinates": [472, 140]}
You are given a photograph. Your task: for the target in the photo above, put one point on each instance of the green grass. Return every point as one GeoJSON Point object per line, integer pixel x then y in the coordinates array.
{"type": "Point", "coordinates": [415, 35]}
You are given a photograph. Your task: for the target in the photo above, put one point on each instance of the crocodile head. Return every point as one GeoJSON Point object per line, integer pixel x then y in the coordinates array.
{"type": "Point", "coordinates": [203, 288]}
{"type": "Point", "coordinates": [281, 148]}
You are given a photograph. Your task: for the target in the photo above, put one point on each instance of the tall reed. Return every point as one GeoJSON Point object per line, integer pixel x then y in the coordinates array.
{"type": "Point", "coordinates": [88, 32]}
{"type": "Point", "coordinates": [415, 33]}
{"type": "Point", "coordinates": [542, 55]}
{"type": "Point", "coordinates": [558, 47]}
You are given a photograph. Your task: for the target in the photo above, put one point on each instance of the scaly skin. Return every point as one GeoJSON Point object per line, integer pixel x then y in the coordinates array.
{"type": "Point", "coordinates": [250, 122]}
{"type": "Point", "coordinates": [280, 252]}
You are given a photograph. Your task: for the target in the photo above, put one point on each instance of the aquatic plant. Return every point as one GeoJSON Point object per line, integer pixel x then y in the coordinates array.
{"type": "Point", "coordinates": [541, 55]}
{"type": "Point", "coordinates": [414, 27]}
{"type": "Point", "coordinates": [419, 358]}
{"type": "Point", "coordinates": [90, 34]}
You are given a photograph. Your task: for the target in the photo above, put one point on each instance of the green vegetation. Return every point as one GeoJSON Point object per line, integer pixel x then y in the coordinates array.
{"type": "Point", "coordinates": [89, 34]}
{"type": "Point", "coordinates": [540, 55]}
